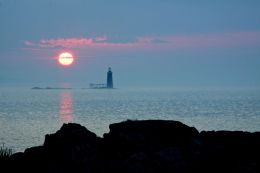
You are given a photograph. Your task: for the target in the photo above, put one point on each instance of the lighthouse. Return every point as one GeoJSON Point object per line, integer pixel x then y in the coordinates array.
{"type": "Point", "coordinates": [109, 78]}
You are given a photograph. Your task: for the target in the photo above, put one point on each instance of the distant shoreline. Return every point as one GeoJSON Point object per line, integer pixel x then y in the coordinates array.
{"type": "Point", "coordinates": [61, 88]}
{"type": "Point", "coordinates": [47, 88]}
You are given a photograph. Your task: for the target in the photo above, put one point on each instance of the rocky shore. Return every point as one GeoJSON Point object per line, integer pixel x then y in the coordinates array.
{"type": "Point", "coordinates": [141, 146]}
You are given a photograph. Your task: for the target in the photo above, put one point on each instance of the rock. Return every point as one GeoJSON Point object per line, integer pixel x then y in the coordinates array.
{"type": "Point", "coordinates": [230, 151]}
{"type": "Point", "coordinates": [69, 135]}
{"type": "Point", "coordinates": [136, 145]}
{"type": "Point", "coordinates": [141, 146]}
{"type": "Point", "coordinates": [149, 134]}
{"type": "Point", "coordinates": [73, 146]}
{"type": "Point", "coordinates": [71, 149]}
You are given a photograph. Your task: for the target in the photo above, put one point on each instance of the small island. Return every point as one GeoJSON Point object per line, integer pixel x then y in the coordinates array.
{"type": "Point", "coordinates": [49, 88]}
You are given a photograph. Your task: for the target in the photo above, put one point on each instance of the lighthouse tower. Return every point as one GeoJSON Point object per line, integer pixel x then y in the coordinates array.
{"type": "Point", "coordinates": [109, 78]}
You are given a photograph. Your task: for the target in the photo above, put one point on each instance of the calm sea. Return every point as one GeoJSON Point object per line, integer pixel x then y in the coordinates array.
{"type": "Point", "coordinates": [26, 115]}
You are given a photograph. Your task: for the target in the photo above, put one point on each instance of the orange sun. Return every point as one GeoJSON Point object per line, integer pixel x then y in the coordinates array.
{"type": "Point", "coordinates": [66, 58]}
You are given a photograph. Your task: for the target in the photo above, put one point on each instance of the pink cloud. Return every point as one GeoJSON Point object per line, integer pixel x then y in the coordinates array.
{"type": "Point", "coordinates": [66, 42]}
{"type": "Point", "coordinates": [28, 43]}
{"type": "Point", "coordinates": [101, 39]}
{"type": "Point", "coordinates": [173, 42]}
{"type": "Point", "coordinates": [75, 43]}
{"type": "Point", "coordinates": [144, 40]}
{"type": "Point", "coordinates": [232, 39]}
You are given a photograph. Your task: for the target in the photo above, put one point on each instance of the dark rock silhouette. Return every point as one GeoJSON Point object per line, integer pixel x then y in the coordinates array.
{"type": "Point", "coordinates": [141, 146]}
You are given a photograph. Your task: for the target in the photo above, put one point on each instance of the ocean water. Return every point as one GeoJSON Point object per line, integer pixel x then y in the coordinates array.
{"type": "Point", "coordinates": [26, 115]}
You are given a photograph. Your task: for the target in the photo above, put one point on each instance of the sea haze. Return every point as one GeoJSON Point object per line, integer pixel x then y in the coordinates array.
{"type": "Point", "coordinates": [26, 115]}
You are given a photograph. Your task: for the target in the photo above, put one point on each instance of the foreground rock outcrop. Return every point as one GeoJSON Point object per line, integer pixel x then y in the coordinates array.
{"type": "Point", "coordinates": [141, 146]}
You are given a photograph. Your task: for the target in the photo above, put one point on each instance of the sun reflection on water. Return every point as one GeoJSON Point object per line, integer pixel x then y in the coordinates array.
{"type": "Point", "coordinates": [66, 107]}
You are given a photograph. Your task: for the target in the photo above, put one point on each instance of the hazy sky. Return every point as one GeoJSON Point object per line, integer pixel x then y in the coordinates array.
{"type": "Point", "coordinates": [146, 42]}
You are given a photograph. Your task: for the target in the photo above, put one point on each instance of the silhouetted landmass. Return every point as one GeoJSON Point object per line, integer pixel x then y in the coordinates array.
{"type": "Point", "coordinates": [48, 88]}
{"type": "Point", "coordinates": [141, 146]}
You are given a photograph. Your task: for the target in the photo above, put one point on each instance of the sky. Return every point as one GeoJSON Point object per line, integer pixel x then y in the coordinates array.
{"type": "Point", "coordinates": [148, 43]}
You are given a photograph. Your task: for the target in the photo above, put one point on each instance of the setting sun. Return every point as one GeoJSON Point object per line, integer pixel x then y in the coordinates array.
{"type": "Point", "coordinates": [66, 59]}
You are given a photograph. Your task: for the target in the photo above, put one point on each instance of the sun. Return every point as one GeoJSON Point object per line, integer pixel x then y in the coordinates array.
{"type": "Point", "coordinates": [66, 59]}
